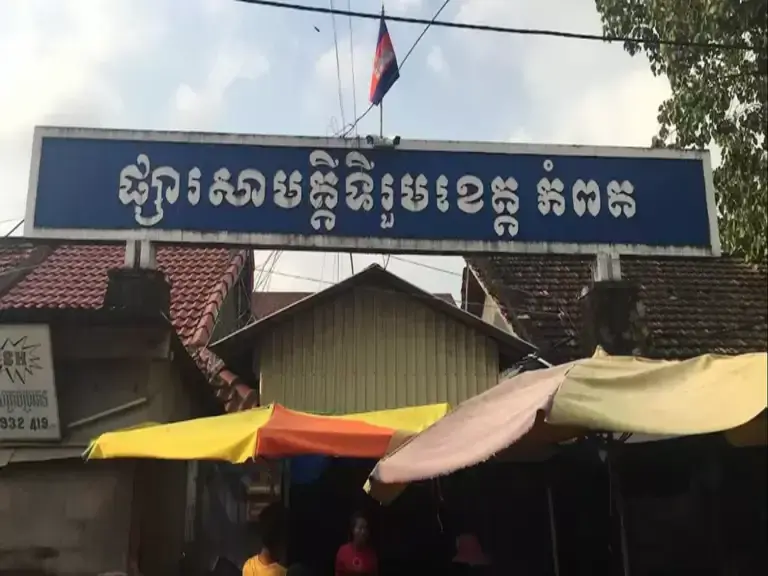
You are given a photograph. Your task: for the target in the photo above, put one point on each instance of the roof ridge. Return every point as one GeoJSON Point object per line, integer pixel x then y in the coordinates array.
{"type": "Point", "coordinates": [376, 275]}
{"type": "Point", "coordinates": [22, 267]}
{"type": "Point", "coordinates": [720, 302]}
{"type": "Point", "coordinates": [216, 297]}
{"type": "Point", "coordinates": [231, 390]}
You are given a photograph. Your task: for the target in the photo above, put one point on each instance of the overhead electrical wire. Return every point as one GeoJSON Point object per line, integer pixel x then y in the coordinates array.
{"type": "Point", "coordinates": [422, 265]}
{"type": "Point", "coordinates": [16, 227]}
{"type": "Point", "coordinates": [338, 63]}
{"type": "Point", "coordinates": [757, 323]}
{"type": "Point", "coordinates": [352, 63]}
{"type": "Point", "coordinates": [354, 97]}
{"type": "Point", "coordinates": [501, 30]}
{"type": "Point", "coordinates": [518, 31]}
{"type": "Point", "coordinates": [321, 281]}
{"type": "Point", "coordinates": [268, 270]}
{"type": "Point", "coordinates": [337, 277]}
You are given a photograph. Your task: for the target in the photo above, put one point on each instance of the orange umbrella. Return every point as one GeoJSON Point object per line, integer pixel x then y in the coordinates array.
{"type": "Point", "coordinates": [289, 432]}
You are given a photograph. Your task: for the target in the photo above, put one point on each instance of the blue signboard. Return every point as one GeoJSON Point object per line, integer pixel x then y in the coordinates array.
{"type": "Point", "coordinates": [349, 195]}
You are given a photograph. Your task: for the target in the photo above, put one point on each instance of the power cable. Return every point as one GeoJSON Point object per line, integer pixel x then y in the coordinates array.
{"type": "Point", "coordinates": [320, 281]}
{"type": "Point", "coordinates": [337, 278]}
{"type": "Point", "coordinates": [422, 265]}
{"type": "Point", "coordinates": [275, 261]}
{"type": "Point", "coordinates": [16, 227]}
{"type": "Point", "coordinates": [561, 306]}
{"type": "Point", "coordinates": [268, 270]}
{"type": "Point", "coordinates": [428, 24]}
{"type": "Point", "coordinates": [518, 31]}
{"type": "Point", "coordinates": [338, 64]}
{"type": "Point", "coordinates": [352, 63]}
{"type": "Point", "coordinates": [322, 271]}
{"type": "Point", "coordinates": [354, 101]}
{"type": "Point", "coordinates": [518, 310]}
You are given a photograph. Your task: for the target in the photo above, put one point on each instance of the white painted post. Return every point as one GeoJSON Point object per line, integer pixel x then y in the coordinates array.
{"type": "Point", "coordinates": [131, 254]}
{"type": "Point", "coordinates": [606, 267]}
{"type": "Point", "coordinates": [147, 255]}
{"type": "Point", "coordinates": [140, 254]}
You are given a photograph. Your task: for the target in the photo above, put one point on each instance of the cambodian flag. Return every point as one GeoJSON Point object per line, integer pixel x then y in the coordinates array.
{"type": "Point", "coordinates": [385, 70]}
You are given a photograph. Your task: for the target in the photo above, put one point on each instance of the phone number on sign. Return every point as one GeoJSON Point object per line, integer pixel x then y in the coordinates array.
{"type": "Point", "coordinates": [21, 423]}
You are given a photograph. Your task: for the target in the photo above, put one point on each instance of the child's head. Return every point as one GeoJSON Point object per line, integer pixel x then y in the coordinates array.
{"type": "Point", "coordinates": [272, 528]}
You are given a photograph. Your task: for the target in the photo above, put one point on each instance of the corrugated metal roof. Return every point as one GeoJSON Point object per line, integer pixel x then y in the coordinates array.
{"type": "Point", "coordinates": [266, 303]}
{"type": "Point", "coordinates": [379, 278]}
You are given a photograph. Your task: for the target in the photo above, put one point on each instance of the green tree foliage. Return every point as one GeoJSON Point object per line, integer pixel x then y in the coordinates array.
{"type": "Point", "coordinates": [718, 95]}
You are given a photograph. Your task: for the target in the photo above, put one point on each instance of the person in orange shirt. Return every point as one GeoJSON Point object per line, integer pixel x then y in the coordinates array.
{"type": "Point", "coordinates": [272, 527]}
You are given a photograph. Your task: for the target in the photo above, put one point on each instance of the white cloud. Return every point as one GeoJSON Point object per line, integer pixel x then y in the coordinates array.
{"type": "Point", "coordinates": [581, 92]}
{"type": "Point", "coordinates": [618, 113]}
{"type": "Point", "coordinates": [402, 5]}
{"type": "Point", "coordinates": [57, 60]}
{"type": "Point", "coordinates": [436, 60]}
{"type": "Point", "coordinates": [521, 136]}
{"type": "Point", "coordinates": [52, 72]}
{"type": "Point", "coordinates": [199, 108]}
{"type": "Point", "coordinates": [323, 99]}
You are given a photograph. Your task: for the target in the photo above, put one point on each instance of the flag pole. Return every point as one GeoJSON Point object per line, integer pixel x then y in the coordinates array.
{"type": "Point", "coordinates": [381, 104]}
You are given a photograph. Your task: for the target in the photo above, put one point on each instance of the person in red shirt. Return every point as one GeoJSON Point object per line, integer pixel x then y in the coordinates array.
{"type": "Point", "coordinates": [357, 557]}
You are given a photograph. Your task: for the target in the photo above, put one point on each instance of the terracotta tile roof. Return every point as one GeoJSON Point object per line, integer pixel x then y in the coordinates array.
{"type": "Point", "coordinates": [10, 256]}
{"type": "Point", "coordinates": [266, 303]}
{"type": "Point", "coordinates": [693, 305]}
{"type": "Point", "coordinates": [74, 276]}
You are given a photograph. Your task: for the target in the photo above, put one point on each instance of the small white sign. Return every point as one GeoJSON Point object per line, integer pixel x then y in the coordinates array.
{"type": "Point", "coordinates": [29, 410]}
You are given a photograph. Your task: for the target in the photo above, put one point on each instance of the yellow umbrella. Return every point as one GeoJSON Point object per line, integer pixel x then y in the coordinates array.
{"type": "Point", "coordinates": [271, 431]}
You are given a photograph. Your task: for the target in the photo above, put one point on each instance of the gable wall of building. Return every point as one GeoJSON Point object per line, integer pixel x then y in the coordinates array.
{"type": "Point", "coordinates": [374, 349]}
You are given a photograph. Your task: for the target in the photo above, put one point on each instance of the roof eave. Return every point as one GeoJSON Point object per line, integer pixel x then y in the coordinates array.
{"type": "Point", "coordinates": [240, 340]}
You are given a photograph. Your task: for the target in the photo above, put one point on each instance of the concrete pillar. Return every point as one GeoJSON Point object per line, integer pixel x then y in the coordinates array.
{"type": "Point", "coordinates": [613, 315]}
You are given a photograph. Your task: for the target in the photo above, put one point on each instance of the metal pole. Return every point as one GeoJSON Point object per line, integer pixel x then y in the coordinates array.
{"type": "Point", "coordinates": [623, 531]}
{"type": "Point", "coordinates": [618, 502]}
{"type": "Point", "coordinates": [381, 104]}
{"type": "Point", "coordinates": [553, 531]}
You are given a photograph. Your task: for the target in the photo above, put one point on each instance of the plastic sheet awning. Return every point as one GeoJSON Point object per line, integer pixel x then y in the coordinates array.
{"type": "Point", "coordinates": [605, 393]}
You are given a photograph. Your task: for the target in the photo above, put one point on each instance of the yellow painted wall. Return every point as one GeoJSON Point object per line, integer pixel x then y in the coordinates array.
{"type": "Point", "coordinates": [372, 349]}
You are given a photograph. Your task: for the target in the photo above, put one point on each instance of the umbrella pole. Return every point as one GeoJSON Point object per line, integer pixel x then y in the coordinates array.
{"type": "Point", "coordinates": [618, 501]}
{"type": "Point", "coordinates": [622, 532]}
{"type": "Point", "coordinates": [553, 531]}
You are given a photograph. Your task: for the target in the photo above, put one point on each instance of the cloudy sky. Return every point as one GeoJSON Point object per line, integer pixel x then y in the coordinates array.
{"type": "Point", "coordinates": [225, 66]}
